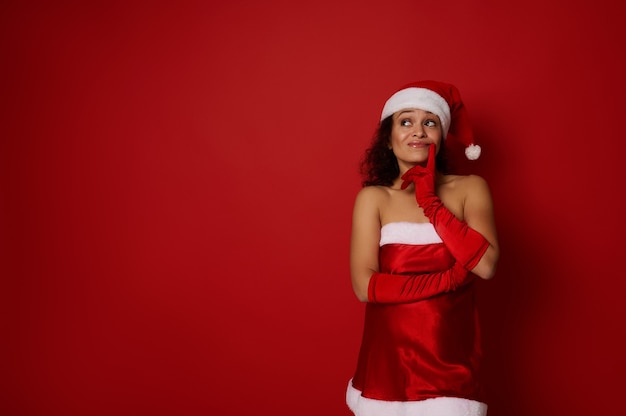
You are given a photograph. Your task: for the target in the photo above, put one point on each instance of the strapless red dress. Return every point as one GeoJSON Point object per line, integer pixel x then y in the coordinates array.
{"type": "Point", "coordinates": [419, 358]}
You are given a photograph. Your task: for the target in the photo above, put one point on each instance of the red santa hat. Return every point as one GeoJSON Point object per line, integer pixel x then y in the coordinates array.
{"type": "Point", "coordinates": [441, 99]}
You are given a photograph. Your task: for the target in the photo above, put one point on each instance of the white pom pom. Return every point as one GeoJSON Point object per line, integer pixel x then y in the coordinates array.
{"type": "Point", "coordinates": [472, 152]}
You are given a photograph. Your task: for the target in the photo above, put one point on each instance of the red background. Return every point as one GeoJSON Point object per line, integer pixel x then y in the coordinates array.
{"type": "Point", "coordinates": [177, 184]}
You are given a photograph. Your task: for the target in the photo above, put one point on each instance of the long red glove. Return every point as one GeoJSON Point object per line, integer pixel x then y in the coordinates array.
{"type": "Point", "coordinates": [465, 244]}
{"type": "Point", "coordinates": [400, 288]}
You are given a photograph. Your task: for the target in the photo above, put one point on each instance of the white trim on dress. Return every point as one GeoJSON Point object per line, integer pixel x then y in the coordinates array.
{"type": "Point", "coordinates": [438, 406]}
{"type": "Point", "coordinates": [403, 232]}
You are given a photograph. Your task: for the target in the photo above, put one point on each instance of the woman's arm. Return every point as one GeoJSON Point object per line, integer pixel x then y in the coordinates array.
{"type": "Point", "coordinates": [398, 288]}
{"type": "Point", "coordinates": [478, 214]}
{"type": "Point", "coordinates": [463, 237]}
{"type": "Point", "coordinates": [371, 286]}
{"type": "Point", "coordinates": [364, 240]}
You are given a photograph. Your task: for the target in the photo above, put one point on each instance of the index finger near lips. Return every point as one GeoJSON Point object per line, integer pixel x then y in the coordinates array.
{"type": "Point", "coordinates": [430, 165]}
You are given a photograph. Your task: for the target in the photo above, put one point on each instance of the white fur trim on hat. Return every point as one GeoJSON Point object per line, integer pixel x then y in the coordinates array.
{"type": "Point", "coordinates": [472, 152]}
{"type": "Point", "coordinates": [421, 98]}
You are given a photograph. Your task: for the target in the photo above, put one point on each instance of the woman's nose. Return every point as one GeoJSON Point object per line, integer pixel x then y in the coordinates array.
{"type": "Point", "coordinates": [418, 131]}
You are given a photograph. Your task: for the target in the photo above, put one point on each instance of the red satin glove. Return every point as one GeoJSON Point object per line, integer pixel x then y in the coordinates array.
{"type": "Point", "coordinates": [399, 288]}
{"type": "Point", "coordinates": [466, 245]}
{"type": "Point", "coordinates": [424, 180]}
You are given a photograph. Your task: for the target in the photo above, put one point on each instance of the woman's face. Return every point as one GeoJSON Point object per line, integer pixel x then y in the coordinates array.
{"type": "Point", "coordinates": [413, 131]}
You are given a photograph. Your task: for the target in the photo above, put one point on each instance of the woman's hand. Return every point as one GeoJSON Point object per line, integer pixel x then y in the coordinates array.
{"type": "Point", "coordinates": [422, 177]}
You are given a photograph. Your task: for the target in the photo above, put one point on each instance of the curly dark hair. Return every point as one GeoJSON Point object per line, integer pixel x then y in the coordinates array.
{"type": "Point", "coordinates": [379, 166]}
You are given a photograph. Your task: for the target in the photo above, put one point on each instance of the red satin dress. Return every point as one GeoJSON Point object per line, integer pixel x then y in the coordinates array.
{"type": "Point", "coordinates": [419, 358]}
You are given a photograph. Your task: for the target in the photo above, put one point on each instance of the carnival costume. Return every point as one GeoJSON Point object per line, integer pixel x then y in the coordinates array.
{"type": "Point", "coordinates": [420, 351]}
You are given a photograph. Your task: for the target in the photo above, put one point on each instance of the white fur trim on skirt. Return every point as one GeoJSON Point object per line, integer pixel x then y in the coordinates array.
{"type": "Point", "coordinates": [439, 406]}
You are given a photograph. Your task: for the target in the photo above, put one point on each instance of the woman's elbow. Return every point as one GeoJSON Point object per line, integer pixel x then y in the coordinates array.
{"type": "Point", "coordinates": [362, 298]}
{"type": "Point", "coordinates": [485, 273]}
{"type": "Point", "coordinates": [360, 284]}
{"type": "Point", "coordinates": [360, 291]}
{"type": "Point", "coordinates": [486, 267]}
{"type": "Point", "coordinates": [361, 295]}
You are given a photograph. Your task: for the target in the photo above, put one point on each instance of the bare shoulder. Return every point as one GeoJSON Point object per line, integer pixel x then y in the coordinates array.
{"type": "Point", "coordinates": [369, 201]}
{"type": "Point", "coordinates": [372, 194]}
{"type": "Point", "coordinates": [469, 183]}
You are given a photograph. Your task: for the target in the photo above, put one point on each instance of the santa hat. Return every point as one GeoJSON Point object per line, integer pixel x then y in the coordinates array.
{"type": "Point", "coordinates": [441, 99]}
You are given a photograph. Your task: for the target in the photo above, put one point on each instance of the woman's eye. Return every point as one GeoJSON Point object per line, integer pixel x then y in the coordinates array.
{"type": "Point", "coordinates": [405, 122]}
{"type": "Point", "coordinates": [430, 123]}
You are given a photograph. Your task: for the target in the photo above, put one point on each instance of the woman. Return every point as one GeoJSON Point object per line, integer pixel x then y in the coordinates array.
{"type": "Point", "coordinates": [419, 237]}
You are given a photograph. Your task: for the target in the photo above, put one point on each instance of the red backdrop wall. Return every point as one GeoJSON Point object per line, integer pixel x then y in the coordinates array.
{"type": "Point", "coordinates": [177, 182]}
